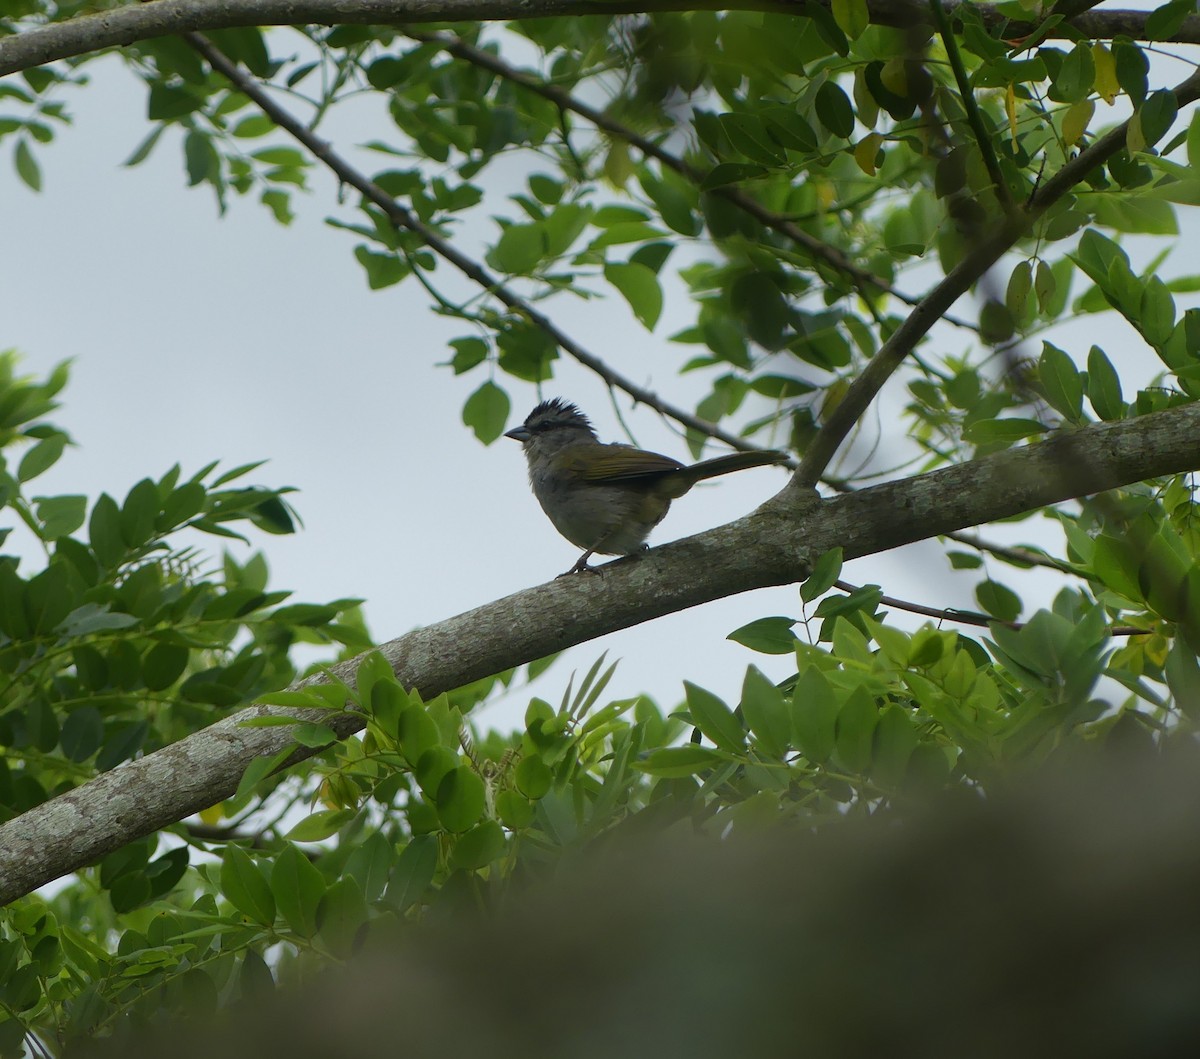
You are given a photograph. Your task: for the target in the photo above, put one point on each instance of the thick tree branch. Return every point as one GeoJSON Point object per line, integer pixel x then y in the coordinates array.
{"type": "Point", "coordinates": [1008, 230]}
{"type": "Point", "coordinates": [126, 25]}
{"type": "Point", "coordinates": [772, 546]}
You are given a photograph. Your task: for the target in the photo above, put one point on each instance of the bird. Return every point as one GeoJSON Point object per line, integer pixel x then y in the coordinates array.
{"type": "Point", "coordinates": [607, 498]}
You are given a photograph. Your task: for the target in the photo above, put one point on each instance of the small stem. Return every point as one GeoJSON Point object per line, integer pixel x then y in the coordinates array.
{"type": "Point", "coordinates": [974, 118]}
{"type": "Point", "coordinates": [968, 617]}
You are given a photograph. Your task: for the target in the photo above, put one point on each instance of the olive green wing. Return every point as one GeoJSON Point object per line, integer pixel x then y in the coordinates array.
{"type": "Point", "coordinates": [617, 463]}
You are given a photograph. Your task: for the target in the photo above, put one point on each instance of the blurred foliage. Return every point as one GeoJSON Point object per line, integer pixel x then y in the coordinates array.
{"type": "Point", "coordinates": [786, 174]}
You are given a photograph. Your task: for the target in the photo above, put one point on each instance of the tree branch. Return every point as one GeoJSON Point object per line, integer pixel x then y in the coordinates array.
{"type": "Point", "coordinates": [164, 18]}
{"type": "Point", "coordinates": [960, 279]}
{"type": "Point", "coordinates": [866, 282]}
{"type": "Point", "coordinates": [772, 546]}
{"type": "Point", "coordinates": [445, 248]}
{"type": "Point", "coordinates": [969, 617]}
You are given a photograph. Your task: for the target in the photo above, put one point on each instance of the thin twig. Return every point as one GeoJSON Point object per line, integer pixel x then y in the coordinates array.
{"type": "Point", "coordinates": [967, 94]}
{"type": "Point", "coordinates": [785, 226]}
{"type": "Point", "coordinates": [444, 248]}
{"type": "Point", "coordinates": [970, 617]}
{"type": "Point", "coordinates": [1024, 556]}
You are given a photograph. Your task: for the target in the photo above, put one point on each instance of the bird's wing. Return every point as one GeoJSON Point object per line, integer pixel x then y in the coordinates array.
{"type": "Point", "coordinates": [614, 463]}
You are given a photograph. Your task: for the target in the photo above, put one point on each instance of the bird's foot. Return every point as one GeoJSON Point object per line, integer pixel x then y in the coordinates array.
{"type": "Point", "coordinates": [581, 567]}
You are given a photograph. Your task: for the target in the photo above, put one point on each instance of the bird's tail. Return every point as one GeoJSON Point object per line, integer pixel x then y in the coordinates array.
{"type": "Point", "coordinates": [735, 461]}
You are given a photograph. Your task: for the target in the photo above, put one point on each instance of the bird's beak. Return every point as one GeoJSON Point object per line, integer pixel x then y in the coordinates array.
{"type": "Point", "coordinates": [518, 434]}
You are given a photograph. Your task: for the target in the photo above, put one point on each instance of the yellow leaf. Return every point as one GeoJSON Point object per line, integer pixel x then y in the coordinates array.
{"type": "Point", "coordinates": [1106, 83]}
{"type": "Point", "coordinates": [1075, 121]}
{"type": "Point", "coordinates": [1135, 139]}
{"type": "Point", "coordinates": [865, 152]}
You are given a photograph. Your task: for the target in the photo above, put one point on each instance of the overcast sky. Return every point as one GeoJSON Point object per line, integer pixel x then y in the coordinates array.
{"type": "Point", "coordinates": [196, 337]}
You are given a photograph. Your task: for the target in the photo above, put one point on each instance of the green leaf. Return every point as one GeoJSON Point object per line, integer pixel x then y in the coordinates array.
{"type": "Point", "coordinates": [297, 887]}
{"type": "Point", "coordinates": [854, 729]}
{"type": "Point", "coordinates": [1076, 75]}
{"type": "Point", "coordinates": [314, 735]}
{"type": "Point", "coordinates": [1164, 22]}
{"type": "Point", "coordinates": [371, 865]}
{"type": "Point", "coordinates": [1020, 283]}
{"type": "Point", "coordinates": [382, 269]}
{"type": "Point", "coordinates": [1156, 319]}
{"type": "Point", "coordinates": [163, 665]}
{"type": "Point", "coordinates": [1132, 68]}
{"type": "Point", "coordinates": [460, 798]}
{"type": "Point", "coordinates": [1002, 431]}
{"type": "Point", "coordinates": [1193, 141]}
{"type": "Point", "coordinates": [894, 742]}
{"type": "Point", "coordinates": [166, 103]}
{"type": "Point", "coordinates": [82, 733]}
{"type": "Point", "coordinates": [1140, 215]}
{"type": "Point", "coordinates": [519, 250]}
{"type": "Point", "coordinates": [246, 887]}
{"type": "Point", "coordinates": [996, 323]}
{"type": "Point", "coordinates": [815, 708]}
{"type": "Point", "coordinates": [639, 286]}
{"type": "Point", "coordinates": [60, 516]}
{"type": "Point", "coordinates": [93, 617]}
{"type": "Point", "coordinates": [766, 713]}
{"type": "Point", "coordinates": [432, 766]}
{"type": "Point", "coordinates": [1061, 382]}
{"type": "Point", "coordinates": [51, 596]}
{"type": "Point", "coordinates": [415, 729]}
{"type": "Point", "coordinates": [1183, 678]}
{"type": "Point", "coordinates": [139, 512]}
{"type": "Point", "coordinates": [533, 777]}
{"type": "Point", "coordinates": [1000, 602]}
{"type": "Point", "coordinates": [414, 872]}
{"type": "Point", "coordinates": [677, 761]}
{"type": "Point", "coordinates": [1104, 386]}
{"type": "Point", "coordinates": [1152, 119]}
{"type": "Point", "coordinates": [1045, 285]}
{"type": "Point", "coordinates": [825, 572]}
{"type": "Point", "coordinates": [41, 457]}
{"type": "Point", "coordinates": [851, 16]}
{"type": "Point", "coordinates": [730, 173]}
{"type": "Point", "coordinates": [253, 126]}
{"type": "Point", "coordinates": [749, 137]}
{"type": "Point", "coordinates": [200, 158]}
{"type": "Point", "coordinates": [834, 109]}
{"type": "Point", "coordinates": [342, 917]}
{"type": "Point", "coordinates": [514, 809]}
{"type": "Point", "coordinates": [486, 412]}
{"type": "Point", "coordinates": [478, 847]}
{"type": "Point", "coordinates": [26, 165]}
{"type": "Point", "coordinates": [468, 352]}
{"type": "Point", "coordinates": [769, 636]}
{"type": "Point", "coordinates": [320, 825]}
{"type": "Point", "coordinates": [714, 718]}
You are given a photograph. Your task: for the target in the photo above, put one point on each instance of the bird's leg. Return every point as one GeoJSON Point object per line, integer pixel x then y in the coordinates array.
{"type": "Point", "coordinates": [581, 567]}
